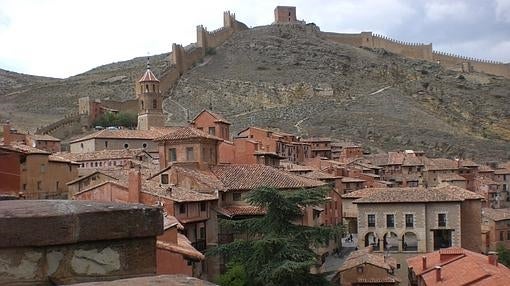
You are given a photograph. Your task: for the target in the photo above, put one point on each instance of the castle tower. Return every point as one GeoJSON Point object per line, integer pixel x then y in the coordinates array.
{"type": "Point", "coordinates": [150, 109]}
{"type": "Point", "coordinates": [285, 14]}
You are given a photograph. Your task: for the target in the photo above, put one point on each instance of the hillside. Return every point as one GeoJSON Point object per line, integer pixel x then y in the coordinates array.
{"type": "Point", "coordinates": [289, 77]}
{"type": "Point", "coordinates": [25, 97]}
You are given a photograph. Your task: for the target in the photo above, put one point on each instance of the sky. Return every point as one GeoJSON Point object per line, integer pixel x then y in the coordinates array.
{"type": "Point", "coordinates": [61, 38]}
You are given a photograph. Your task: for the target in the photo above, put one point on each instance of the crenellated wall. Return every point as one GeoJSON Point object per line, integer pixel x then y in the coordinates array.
{"type": "Point", "coordinates": [184, 58]}
{"type": "Point", "coordinates": [420, 51]}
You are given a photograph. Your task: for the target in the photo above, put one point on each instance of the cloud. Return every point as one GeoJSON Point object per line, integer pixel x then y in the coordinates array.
{"type": "Point", "coordinates": [62, 38]}
{"type": "Point", "coordinates": [503, 10]}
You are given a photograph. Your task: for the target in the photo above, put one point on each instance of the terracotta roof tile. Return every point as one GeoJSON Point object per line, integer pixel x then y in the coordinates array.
{"type": "Point", "coordinates": [443, 193]}
{"type": "Point", "coordinates": [363, 256]}
{"type": "Point", "coordinates": [101, 155]}
{"type": "Point", "coordinates": [218, 117]}
{"type": "Point", "coordinates": [319, 175]}
{"type": "Point", "coordinates": [175, 193]}
{"type": "Point", "coordinates": [352, 180]}
{"type": "Point", "coordinates": [468, 163]}
{"type": "Point", "coordinates": [204, 177]}
{"type": "Point", "coordinates": [126, 134]}
{"type": "Point", "coordinates": [450, 177]}
{"type": "Point", "coordinates": [496, 214]}
{"type": "Point", "coordinates": [187, 133]}
{"type": "Point", "coordinates": [232, 211]}
{"type": "Point", "coordinates": [148, 76]}
{"type": "Point", "coordinates": [461, 267]}
{"type": "Point", "coordinates": [56, 158]}
{"type": "Point", "coordinates": [24, 149]}
{"type": "Point", "coordinates": [183, 247]}
{"type": "Point", "coordinates": [485, 169]}
{"type": "Point", "coordinates": [438, 164]}
{"type": "Point", "coordinates": [503, 171]}
{"type": "Point", "coordinates": [252, 176]}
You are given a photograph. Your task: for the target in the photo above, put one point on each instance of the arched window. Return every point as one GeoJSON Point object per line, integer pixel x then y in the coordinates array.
{"type": "Point", "coordinates": [146, 88]}
{"type": "Point", "coordinates": [142, 104]}
{"type": "Point", "coordinates": [154, 103]}
{"type": "Point", "coordinates": [154, 88]}
{"type": "Point", "coordinates": [141, 88]}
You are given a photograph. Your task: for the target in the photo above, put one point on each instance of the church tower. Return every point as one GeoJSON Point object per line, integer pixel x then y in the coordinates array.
{"type": "Point", "coordinates": [150, 109]}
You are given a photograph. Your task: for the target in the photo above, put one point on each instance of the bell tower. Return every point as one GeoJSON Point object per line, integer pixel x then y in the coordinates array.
{"type": "Point", "coordinates": [150, 109]}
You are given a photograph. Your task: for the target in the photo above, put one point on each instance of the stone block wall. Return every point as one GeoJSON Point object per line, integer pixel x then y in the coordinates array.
{"type": "Point", "coordinates": [63, 242]}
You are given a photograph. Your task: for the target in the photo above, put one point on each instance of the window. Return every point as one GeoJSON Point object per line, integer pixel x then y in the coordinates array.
{"type": "Point", "coordinates": [81, 145]}
{"type": "Point", "coordinates": [182, 208]}
{"type": "Point", "coordinates": [154, 88]}
{"type": "Point", "coordinates": [164, 179]}
{"type": "Point", "coordinates": [212, 130]}
{"type": "Point", "coordinates": [142, 104]}
{"type": "Point", "coordinates": [441, 219]}
{"type": "Point", "coordinates": [57, 185]}
{"type": "Point", "coordinates": [154, 104]}
{"type": "Point", "coordinates": [146, 88]}
{"type": "Point", "coordinates": [200, 128]}
{"type": "Point", "coordinates": [501, 235]}
{"type": "Point", "coordinates": [409, 220]}
{"type": "Point", "coordinates": [144, 145]}
{"type": "Point", "coordinates": [236, 196]}
{"type": "Point", "coordinates": [371, 220]}
{"type": "Point", "coordinates": [508, 235]}
{"type": "Point", "coordinates": [203, 206]}
{"type": "Point", "coordinates": [24, 187]}
{"type": "Point", "coordinates": [172, 155]}
{"type": "Point", "coordinates": [223, 197]}
{"type": "Point", "coordinates": [190, 156]}
{"type": "Point", "coordinates": [126, 145]}
{"type": "Point", "coordinates": [39, 183]}
{"type": "Point", "coordinates": [390, 220]}
{"type": "Point", "coordinates": [202, 232]}
{"type": "Point", "coordinates": [43, 168]}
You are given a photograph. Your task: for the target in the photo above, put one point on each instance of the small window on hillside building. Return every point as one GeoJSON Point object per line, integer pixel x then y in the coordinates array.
{"type": "Point", "coordinates": [390, 220]}
{"type": "Point", "coordinates": [212, 130]}
{"type": "Point", "coordinates": [190, 156]}
{"type": "Point", "coordinates": [182, 208]}
{"type": "Point", "coordinates": [39, 185]}
{"type": "Point", "coordinates": [236, 196]}
{"type": "Point", "coordinates": [409, 220]}
{"type": "Point", "coordinates": [371, 220]}
{"type": "Point", "coordinates": [441, 219]}
{"type": "Point", "coordinates": [203, 206]}
{"type": "Point", "coordinates": [164, 179]}
{"type": "Point", "coordinates": [154, 104]}
{"type": "Point", "coordinates": [172, 155]}
{"type": "Point", "coordinates": [106, 144]}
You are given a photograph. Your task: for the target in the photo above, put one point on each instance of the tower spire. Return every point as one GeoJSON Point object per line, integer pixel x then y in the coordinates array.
{"type": "Point", "coordinates": [148, 63]}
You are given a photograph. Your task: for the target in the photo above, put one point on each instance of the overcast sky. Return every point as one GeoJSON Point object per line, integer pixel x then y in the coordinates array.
{"type": "Point", "coordinates": [62, 38]}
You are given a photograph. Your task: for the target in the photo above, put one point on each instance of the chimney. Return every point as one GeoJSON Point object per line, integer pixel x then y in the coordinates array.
{"type": "Point", "coordinates": [438, 273]}
{"type": "Point", "coordinates": [493, 258]}
{"type": "Point", "coordinates": [134, 185]}
{"type": "Point", "coordinates": [7, 133]}
{"type": "Point", "coordinates": [424, 262]}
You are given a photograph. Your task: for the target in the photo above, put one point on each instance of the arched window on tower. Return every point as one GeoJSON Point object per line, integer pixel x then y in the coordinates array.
{"type": "Point", "coordinates": [141, 88]}
{"type": "Point", "coordinates": [154, 88]}
{"type": "Point", "coordinates": [146, 88]}
{"type": "Point", "coordinates": [142, 104]}
{"type": "Point", "coordinates": [154, 103]}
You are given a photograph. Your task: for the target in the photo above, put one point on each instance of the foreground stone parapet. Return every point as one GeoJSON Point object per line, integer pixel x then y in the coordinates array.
{"type": "Point", "coordinates": [166, 280]}
{"type": "Point", "coordinates": [62, 242]}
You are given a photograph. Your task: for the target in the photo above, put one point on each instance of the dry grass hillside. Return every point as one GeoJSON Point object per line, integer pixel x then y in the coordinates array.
{"type": "Point", "coordinates": [290, 78]}
{"type": "Point", "coordinates": [34, 101]}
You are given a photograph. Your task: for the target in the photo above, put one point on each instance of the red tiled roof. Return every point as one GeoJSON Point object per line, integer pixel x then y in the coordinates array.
{"type": "Point", "coordinates": [460, 267]}
{"type": "Point", "coordinates": [56, 158]}
{"type": "Point", "coordinates": [365, 255]}
{"type": "Point", "coordinates": [450, 177]}
{"type": "Point", "coordinates": [175, 193]}
{"type": "Point", "coordinates": [496, 214]}
{"type": "Point", "coordinates": [443, 193]}
{"type": "Point", "coordinates": [187, 133]}
{"type": "Point", "coordinates": [319, 175]}
{"type": "Point", "coordinates": [440, 164]}
{"type": "Point", "coordinates": [468, 163]}
{"type": "Point", "coordinates": [126, 134]}
{"type": "Point", "coordinates": [252, 176]}
{"type": "Point", "coordinates": [502, 171]}
{"type": "Point", "coordinates": [183, 247]}
{"type": "Point", "coordinates": [218, 117]}
{"type": "Point", "coordinates": [148, 76]}
{"type": "Point", "coordinates": [352, 180]}
{"type": "Point", "coordinates": [101, 155]}
{"type": "Point", "coordinates": [24, 149]}
{"type": "Point", "coordinates": [485, 169]}
{"type": "Point", "coordinates": [232, 211]}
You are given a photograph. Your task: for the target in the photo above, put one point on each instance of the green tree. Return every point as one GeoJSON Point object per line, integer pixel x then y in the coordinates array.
{"type": "Point", "coordinates": [279, 251]}
{"type": "Point", "coordinates": [235, 276]}
{"type": "Point", "coordinates": [126, 119]}
{"type": "Point", "coordinates": [503, 255]}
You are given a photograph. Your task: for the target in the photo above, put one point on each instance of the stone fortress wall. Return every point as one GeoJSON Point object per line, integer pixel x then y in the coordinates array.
{"type": "Point", "coordinates": [420, 51]}
{"type": "Point", "coordinates": [184, 58]}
